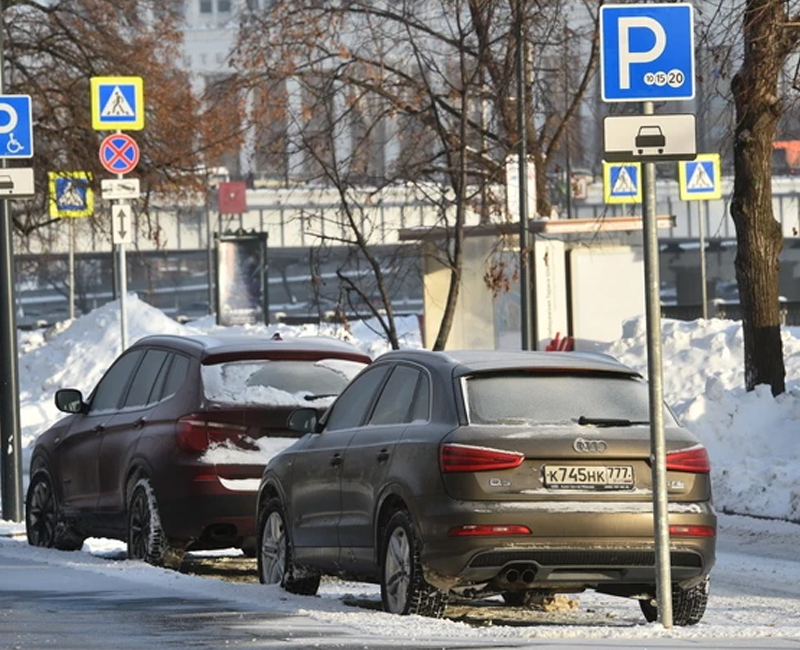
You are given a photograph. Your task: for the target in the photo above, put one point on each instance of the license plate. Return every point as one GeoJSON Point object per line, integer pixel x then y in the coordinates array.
{"type": "Point", "coordinates": [612, 477]}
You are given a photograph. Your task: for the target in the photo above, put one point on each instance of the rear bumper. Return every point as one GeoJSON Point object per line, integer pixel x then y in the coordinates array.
{"type": "Point", "coordinates": [571, 545]}
{"type": "Point", "coordinates": [212, 513]}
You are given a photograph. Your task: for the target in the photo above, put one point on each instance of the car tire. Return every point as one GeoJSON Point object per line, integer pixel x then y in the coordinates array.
{"type": "Point", "coordinates": [275, 564]}
{"type": "Point", "coordinates": [404, 589]}
{"type": "Point", "coordinates": [146, 539]}
{"type": "Point", "coordinates": [44, 523]}
{"type": "Point", "coordinates": [688, 605]}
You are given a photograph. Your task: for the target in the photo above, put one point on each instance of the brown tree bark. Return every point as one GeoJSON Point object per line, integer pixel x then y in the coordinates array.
{"type": "Point", "coordinates": [758, 235]}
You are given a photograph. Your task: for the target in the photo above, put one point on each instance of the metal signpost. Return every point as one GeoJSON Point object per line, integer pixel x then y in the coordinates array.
{"type": "Point", "coordinates": [701, 180]}
{"type": "Point", "coordinates": [71, 195]}
{"type": "Point", "coordinates": [647, 55]}
{"type": "Point", "coordinates": [16, 141]}
{"type": "Point", "coordinates": [118, 105]}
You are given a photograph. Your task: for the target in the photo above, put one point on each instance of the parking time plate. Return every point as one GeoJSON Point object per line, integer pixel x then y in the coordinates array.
{"type": "Point", "coordinates": [609, 477]}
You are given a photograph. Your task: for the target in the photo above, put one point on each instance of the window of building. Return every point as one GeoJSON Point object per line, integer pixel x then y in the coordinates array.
{"type": "Point", "coordinates": [224, 6]}
{"type": "Point", "coordinates": [206, 7]}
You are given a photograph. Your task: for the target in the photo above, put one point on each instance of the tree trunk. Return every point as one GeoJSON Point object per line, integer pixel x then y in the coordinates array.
{"type": "Point", "coordinates": [758, 234]}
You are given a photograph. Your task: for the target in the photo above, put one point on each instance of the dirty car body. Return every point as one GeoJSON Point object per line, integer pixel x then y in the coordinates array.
{"type": "Point", "coordinates": [514, 473]}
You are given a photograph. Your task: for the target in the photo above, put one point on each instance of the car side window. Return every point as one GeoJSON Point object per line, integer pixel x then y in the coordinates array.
{"type": "Point", "coordinates": [421, 411]}
{"type": "Point", "coordinates": [394, 404]}
{"type": "Point", "coordinates": [108, 393]}
{"type": "Point", "coordinates": [350, 408]}
{"type": "Point", "coordinates": [177, 375]}
{"type": "Point", "coordinates": [145, 378]}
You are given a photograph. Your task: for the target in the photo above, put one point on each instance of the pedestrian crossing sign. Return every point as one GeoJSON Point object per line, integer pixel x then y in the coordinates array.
{"type": "Point", "coordinates": [622, 182]}
{"type": "Point", "coordinates": [117, 103]}
{"type": "Point", "coordinates": [700, 178]}
{"type": "Point", "coordinates": [71, 194]}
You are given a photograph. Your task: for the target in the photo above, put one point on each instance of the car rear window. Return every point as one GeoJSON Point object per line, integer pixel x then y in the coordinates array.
{"type": "Point", "coordinates": [280, 382]}
{"type": "Point", "coordinates": [544, 398]}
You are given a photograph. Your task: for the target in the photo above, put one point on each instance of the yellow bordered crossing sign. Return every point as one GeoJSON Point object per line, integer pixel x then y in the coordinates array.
{"type": "Point", "coordinates": [701, 178]}
{"type": "Point", "coordinates": [622, 182]}
{"type": "Point", "coordinates": [117, 103]}
{"type": "Point", "coordinates": [71, 194]}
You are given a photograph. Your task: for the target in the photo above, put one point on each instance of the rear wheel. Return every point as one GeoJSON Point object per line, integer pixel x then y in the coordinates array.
{"type": "Point", "coordinates": [688, 605]}
{"type": "Point", "coordinates": [146, 539]}
{"type": "Point", "coordinates": [404, 589]}
{"type": "Point", "coordinates": [275, 565]}
{"type": "Point", "coordinates": [44, 523]}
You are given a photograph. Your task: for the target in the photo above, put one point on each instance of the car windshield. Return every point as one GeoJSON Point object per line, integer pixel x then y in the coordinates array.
{"type": "Point", "coordinates": [280, 382]}
{"type": "Point", "coordinates": [545, 398]}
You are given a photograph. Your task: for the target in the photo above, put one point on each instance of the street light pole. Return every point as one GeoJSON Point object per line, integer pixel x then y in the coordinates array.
{"type": "Point", "coordinates": [528, 327]}
{"type": "Point", "coordinates": [10, 447]}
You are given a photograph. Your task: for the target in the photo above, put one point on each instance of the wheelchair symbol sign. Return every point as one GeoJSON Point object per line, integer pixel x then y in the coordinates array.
{"type": "Point", "coordinates": [16, 126]}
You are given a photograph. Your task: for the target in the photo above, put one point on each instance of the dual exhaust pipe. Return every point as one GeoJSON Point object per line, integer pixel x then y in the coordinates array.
{"type": "Point", "coordinates": [515, 575]}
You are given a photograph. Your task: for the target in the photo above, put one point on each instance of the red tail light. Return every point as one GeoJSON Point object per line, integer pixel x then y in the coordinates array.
{"type": "Point", "coordinates": [475, 531]}
{"type": "Point", "coordinates": [465, 458]}
{"type": "Point", "coordinates": [692, 531]}
{"type": "Point", "coordinates": [194, 434]}
{"type": "Point", "coordinates": [695, 460]}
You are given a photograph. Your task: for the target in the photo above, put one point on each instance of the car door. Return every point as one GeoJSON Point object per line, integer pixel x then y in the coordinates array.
{"type": "Point", "coordinates": [317, 470]}
{"type": "Point", "coordinates": [122, 432]}
{"type": "Point", "coordinates": [369, 457]}
{"type": "Point", "coordinates": [79, 451]}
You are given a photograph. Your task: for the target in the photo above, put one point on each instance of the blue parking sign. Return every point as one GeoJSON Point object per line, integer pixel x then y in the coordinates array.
{"type": "Point", "coordinates": [647, 52]}
{"type": "Point", "coordinates": [16, 126]}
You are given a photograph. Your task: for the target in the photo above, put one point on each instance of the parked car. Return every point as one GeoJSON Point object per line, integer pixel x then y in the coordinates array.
{"type": "Point", "coordinates": [482, 473]}
{"type": "Point", "coordinates": [167, 451]}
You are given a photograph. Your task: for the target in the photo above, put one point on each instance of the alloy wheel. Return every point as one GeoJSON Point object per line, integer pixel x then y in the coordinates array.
{"type": "Point", "coordinates": [41, 514]}
{"type": "Point", "coordinates": [139, 527]}
{"type": "Point", "coordinates": [397, 570]}
{"type": "Point", "coordinates": [273, 550]}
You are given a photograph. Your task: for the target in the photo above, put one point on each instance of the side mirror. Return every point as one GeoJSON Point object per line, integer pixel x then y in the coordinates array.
{"type": "Point", "coordinates": [70, 400]}
{"type": "Point", "coordinates": [303, 420]}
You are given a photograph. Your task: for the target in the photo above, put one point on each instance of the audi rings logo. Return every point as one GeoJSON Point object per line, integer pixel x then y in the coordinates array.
{"type": "Point", "coordinates": [584, 446]}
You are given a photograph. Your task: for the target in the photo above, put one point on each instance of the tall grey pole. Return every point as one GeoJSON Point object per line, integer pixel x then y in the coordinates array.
{"type": "Point", "coordinates": [526, 313]}
{"type": "Point", "coordinates": [10, 446]}
{"type": "Point", "coordinates": [71, 268]}
{"type": "Point", "coordinates": [656, 388]}
{"type": "Point", "coordinates": [702, 212]}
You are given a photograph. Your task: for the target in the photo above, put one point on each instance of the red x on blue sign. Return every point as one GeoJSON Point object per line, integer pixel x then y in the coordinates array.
{"type": "Point", "coordinates": [119, 153]}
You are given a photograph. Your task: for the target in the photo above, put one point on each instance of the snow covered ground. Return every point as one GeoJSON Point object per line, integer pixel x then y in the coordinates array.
{"type": "Point", "coordinates": [753, 441]}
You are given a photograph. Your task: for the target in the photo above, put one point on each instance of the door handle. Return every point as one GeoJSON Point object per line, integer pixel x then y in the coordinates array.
{"type": "Point", "coordinates": [336, 460]}
{"type": "Point", "coordinates": [139, 423]}
{"type": "Point", "coordinates": [383, 455]}
{"type": "Point", "coordinates": [99, 429]}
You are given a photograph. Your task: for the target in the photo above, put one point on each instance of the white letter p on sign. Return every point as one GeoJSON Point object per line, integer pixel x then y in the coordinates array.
{"type": "Point", "coordinates": [626, 57]}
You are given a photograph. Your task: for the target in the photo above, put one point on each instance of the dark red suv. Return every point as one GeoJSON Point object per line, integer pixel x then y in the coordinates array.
{"type": "Point", "coordinates": [167, 451]}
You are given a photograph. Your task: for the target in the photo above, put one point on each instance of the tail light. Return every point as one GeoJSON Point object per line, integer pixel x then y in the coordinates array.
{"type": "Point", "coordinates": [694, 460]}
{"type": "Point", "coordinates": [477, 531]}
{"type": "Point", "coordinates": [194, 434]}
{"type": "Point", "coordinates": [466, 458]}
{"type": "Point", "coordinates": [692, 531]}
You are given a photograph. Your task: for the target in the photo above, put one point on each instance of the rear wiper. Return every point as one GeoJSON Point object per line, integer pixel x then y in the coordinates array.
{"type": "Point", "coordinates": [609, 422]}
{"type": "Point", "coordinates": [311, 398]}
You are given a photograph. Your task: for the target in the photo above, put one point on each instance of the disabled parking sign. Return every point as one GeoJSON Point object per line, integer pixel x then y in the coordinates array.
{"type": "Point", "coordinates": [16, 126]}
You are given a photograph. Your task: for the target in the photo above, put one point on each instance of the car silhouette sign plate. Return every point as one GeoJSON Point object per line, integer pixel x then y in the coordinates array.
{"type": "Point", "coordinates": [649, 138]}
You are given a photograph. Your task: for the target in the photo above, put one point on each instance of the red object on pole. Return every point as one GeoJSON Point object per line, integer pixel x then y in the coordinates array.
{"type": "Point", "coordinates": [232, 197]}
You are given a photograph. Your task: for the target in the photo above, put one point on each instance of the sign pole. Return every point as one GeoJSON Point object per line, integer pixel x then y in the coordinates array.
{"type": "Point", "coordinates": [71, 269]}
{"type": "Point", "coordinates": [10, 446]}
{"type": "Point", "coordinates": [656, 388]}
{"type": "Point", "coordinates": [702, 213]}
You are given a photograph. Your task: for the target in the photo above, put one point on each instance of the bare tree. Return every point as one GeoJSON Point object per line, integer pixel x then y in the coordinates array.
{"type": "Point", "coordinates": [432, 70]}
{"type": "Point", "coordinates": [770, 36]}
{"type": "Point", "coordinates": [52, 50]}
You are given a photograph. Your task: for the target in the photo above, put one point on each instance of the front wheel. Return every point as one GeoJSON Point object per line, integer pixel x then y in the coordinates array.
{"type": "Point", "coordinates": [275, 565]}
{"type": "Point", "coordinates": [404, 589]}
{"type": "Point", "coordinates": [43, 521]}
{"type": "Point", "coordinates": [688, 605]}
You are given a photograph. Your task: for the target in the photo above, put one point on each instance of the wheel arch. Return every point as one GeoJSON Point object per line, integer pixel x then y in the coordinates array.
{"type": "Point", "coordinates": [394, 499]}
